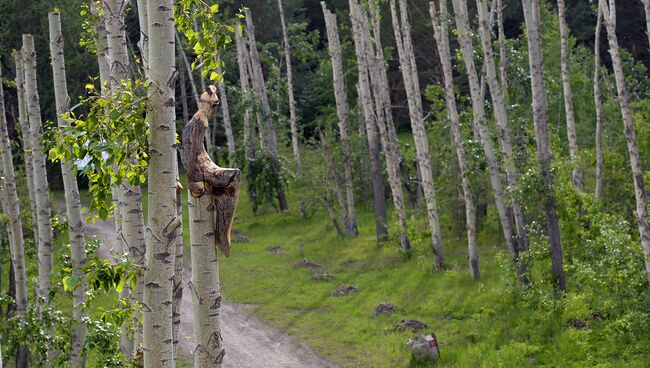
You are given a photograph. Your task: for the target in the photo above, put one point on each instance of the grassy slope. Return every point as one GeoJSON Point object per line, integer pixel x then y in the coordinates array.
{"type": "Point", "coordinates": [477, 323]}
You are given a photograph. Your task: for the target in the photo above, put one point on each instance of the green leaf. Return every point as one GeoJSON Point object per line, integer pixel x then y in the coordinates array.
{"type": "Point", "coordinates": [214, 8]}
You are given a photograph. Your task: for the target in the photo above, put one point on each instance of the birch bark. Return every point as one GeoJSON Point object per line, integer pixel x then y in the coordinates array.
{"type": "Point", "coordinates": [12, 209]}
{"type": "Point", "coordinates": [370, 128]}
{"type": "Point", "coordinates": [630, 135]}
{"type": "Point", "coordinates": [599, 108]}
{"type": "Point", "coordinates": [441, 34]}
{"type": "Point", "coordinates": [43, 208]}
{"type": "Point", "coordinates": [480, 124]}
{"type": "Point", "coordinates": [340, 95]}
{"type": "Point", "coordinates": [388, 135]}
{"type": "Point", "coordinates": [262, 97]}
{"type": "Point", "coordinates": [163, 221]}
{"type": "Point", "coordinates": [244, 81]}
{"type": "Point", "coordinates": [72, 198]}
{"type": "Point", "coordinates": [225, 114]}
{"type": "Point", "coordinates": [577, 175]}
{"type": "Point", "coordinates": [402, 30]}
{"type": "Point", "coordinates": [533, 32]}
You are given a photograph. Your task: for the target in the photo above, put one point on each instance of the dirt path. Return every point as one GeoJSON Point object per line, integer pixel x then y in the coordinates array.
{"type": "Point", "coordinates": [249, 343]}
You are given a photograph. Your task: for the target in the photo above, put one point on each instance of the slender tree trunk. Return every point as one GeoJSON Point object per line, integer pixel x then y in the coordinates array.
{"type": "Point", "coordinates": [177, 291]}
{"type": "Point", "coordinates": [630, 135]}
{"type": "Point", "coordinates": [293, 120]}
{"type": "Point", "coordinates": [441, 34]}
{"type": "Point", "coordinates": [205, 287]}
{"type": "Point", "coordinates": [501, 117]}
{"type": "Point", "coordinates": [163, 220]}
{"type": "Point", "coordinates": [334, 47]}
{"type": "Point", "coordinates": [480, 124]}
{"type": "Point", "coordinates": [143, 43]}
{"type": "Point", "coordinates": [12, 210]}
{"type": "Point", "coordinates": [225, 113]}
{"type": "Point", "coordinates": [338, 184]}
{"type": "Point", "coordinates": [188, 68]}
{"type": "Point", "coordinates": [72, 198]}
{"type": "Point", "coordinates": [371, 133]}
{"type": "Point", "coordinates": [262, 96]}
{"type": "Point", "coordinates": [402, 30]}
{"type": "Point", "coordinates": [533, 32]}
{"type": "Point", "coordinates": [388, 135]}
{"type": "Point", "coordinates": [244, 80]}
{"type": "Point", "coordinates": [646, 10]}
{"type": "Point", "coordinates": [577, 175]}
{"type": "Point", "coordinates": [43, 208]}
{"type": "Point", "coordinates": [186, 112]}
{"type": "Point", "coordinates": [503, 54]}
{"type": "Point", "coordinates": [599, 109]}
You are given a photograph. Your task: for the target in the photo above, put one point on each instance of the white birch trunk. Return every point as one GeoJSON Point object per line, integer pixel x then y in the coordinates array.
{"type": "Point", "coordinates": [262, 97]}
{"type": "Point", "coordinates": [177, 291]}
{"type": "Point", "coordinates": [334, 48]}
{"type": "Point", "coordinates": [388, 135]}
{"type": "Point", "coordinates": [577, 175]}
{"type": "Point", "coordinates": [503, 54]}
{"type": "Point", "coordinates": [188, 68]}
{"type": "Point", "coordinates": [41, 189]}
{"type": "Point", "coordinates": [12, 210]}
{"type": "Point", "coordinates": [402, 30]}
{"type": "Point", "coordinates": [646, 10]}
{"type": "Point", "coordinates": [338, 185]}
{"type": "Point", "coordinates": [441, 34]}
{"type": "Point", "coordinates": [501, 117]}
{"type": "Point", "coordinates": [225, 114]}
{"type": "Point", "coordinates": [143, 43]}
{"type": "Point", "coordinates": [480, 125]}
{"type": "Point", "coordinates": [163, 221]}
{"type": "Point", "coordinates": [598, 104]}
{"type": "Point", "coordinates": [244, 81]}
{"type": "Point", "coordinates": [205, 287]}
{"type": "Point", "coordinates": [630, 135]}
{"type": "Point", "coordinates": [72, 198]}
{"type": "Point", "coordinates": [533, 32]}
{"type": "Point", "coordinates": [370, 123]}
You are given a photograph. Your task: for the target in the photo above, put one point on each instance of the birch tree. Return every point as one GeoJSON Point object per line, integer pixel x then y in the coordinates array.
{"type": "Point", "coordinates": [402, 30]}
{"type": "Point", "coordinates": [340, 95]}
{"type": "Point", "coordinates": [640, 192]}
{"type": "Point", "coordinates": [646, 10]}
{"type": "Point", "coordinates": [225, 115]}
{"type": "Point", "coordinates": [540, 120]}
{"type": "Point", "coordinates": [441, 34]}
{"type": "Point", "coordinates": [12, 210]}
{"type": "Point", "coordinates": [72, 198]}
{"type": "Point", "coordinates": [598, 105]}
{"type": "Point", "coordinates": [44, 211]}
{"type": "Point", "coordinates": [244, 81]}
{"type": "Point", "coordinates": [577, 175]}
{"type": "Point", "coordinates": [480, 123]}
{"type": "Point", "coordinates": [262, 97]}
{"type": "Point", "coordinates": [370, 123]}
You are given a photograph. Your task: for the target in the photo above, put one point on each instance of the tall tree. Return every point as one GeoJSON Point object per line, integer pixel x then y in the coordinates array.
{"type": "Point", "coordinates": [370, 126]}
{"type": "Point", "coordinates": [598, 105]}
{"type": "Point", "coordinates": [16, 240]}
{"type": "Point", "coordinates": [293, 119]}
{"type": "Point", "coordinates": [340, 95]}
{"type": "Point", "coordinates": [540, 120]}
{"type": "Point", "coordinates": [72, 198]}
{"type": "Point", "coordinates": [646, 10]}
{"type": "Point", "coordinates": [630, 134]}
{"type": "Point", "coordinates": [480, 123]}
{"type": "Point", "coordinates": [225, 115]}
{"type": "Point", "coordinates": [41, 188]}
{"type": "Point", "coordinates": [577, 175]}
{"type": "Point", "coordinates": [244, 81]}
{"type": "Point", "coordinates": [162, 221]}
{"type": "Point", "coordinates": [262, 97]}
{"type": "Point", "coordinates": [402, 30]}
{"type": "Point", "coordinates": [441, 34]}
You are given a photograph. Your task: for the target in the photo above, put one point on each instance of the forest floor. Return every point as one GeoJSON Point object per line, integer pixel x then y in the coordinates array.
{"type": "Point", "coordinates": [249, 343]}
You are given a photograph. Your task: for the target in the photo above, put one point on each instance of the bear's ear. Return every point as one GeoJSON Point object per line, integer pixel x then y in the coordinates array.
{"type": "Point", "coordinates": [212, 89]}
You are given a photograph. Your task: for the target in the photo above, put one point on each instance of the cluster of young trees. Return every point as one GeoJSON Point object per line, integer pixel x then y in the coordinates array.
{"type": "Point", "coordinates": [127, 131]}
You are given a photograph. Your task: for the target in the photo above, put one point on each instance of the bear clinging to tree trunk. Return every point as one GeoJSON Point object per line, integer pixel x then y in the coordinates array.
{"type": "Point", "coordinates": [204, 176]}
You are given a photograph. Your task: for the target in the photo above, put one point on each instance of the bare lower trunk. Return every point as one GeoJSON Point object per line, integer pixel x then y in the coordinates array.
{"type": "Point", "coordinates": [338, 184]}
{"type": "Point", "coordinates": [402, 30]}
{"type": "Point", "coordinates": [177, 292]}
{"type": "Point", "coordinates": [244, 80]}
{"type": "Point", "coordinates": [334, 48]}
{"type": "Point", "coordinates": [599, 109]}
{"type": "Point", "coordinates": [183, 87]}
{"type": "Point", "coordinates": [225, 114]}
{"type": "Point", "coordinates": [480, 124]}
{"type": "Point", "coordinates": [72, 198]}
{"type": "Point", "coordinates": [533, 32]}
{"type": "Point", "coordinates": [370, 123]}
{"type": "Point", "coordinates": [163, 220]}
{"type": "Point", "coordinates": [441, 34]}
{"type": "Point", "coordinates": [41, 189]}
{"type": "Point", "coordinates": [12, 210]}
{"type": "Point", "coordinates": [262, 97]}
{"type": "Point", "coordinates": [379, 82]}
{"type": "Point", "coordinates": [630, 135]}
{"type": "Point", "coordinates": [577, 175]}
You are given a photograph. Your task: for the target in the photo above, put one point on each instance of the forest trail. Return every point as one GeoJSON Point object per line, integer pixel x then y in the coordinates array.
{"type": "Point", "coordinates": [249, 343]}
